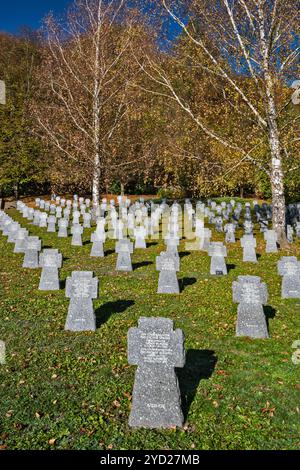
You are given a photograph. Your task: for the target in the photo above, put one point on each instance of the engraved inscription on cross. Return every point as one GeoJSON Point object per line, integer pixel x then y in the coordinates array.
{"type": "Point", "coordinates": [82, 285]}
{"type": "Point", "coordinates": [289, 266]}
{"type": "Point", "coordinates": [250, 290]}
{"type": "Point", "coordinates": [166, 262]}
{"type": "Point", "coordinates": [155, 343]}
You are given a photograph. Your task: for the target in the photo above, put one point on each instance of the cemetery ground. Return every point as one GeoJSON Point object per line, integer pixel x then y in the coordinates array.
{"type": "Point", "coordinates": [63, 390]}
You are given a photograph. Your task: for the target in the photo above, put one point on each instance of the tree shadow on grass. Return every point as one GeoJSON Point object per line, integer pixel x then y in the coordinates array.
{"type": "Point", "coordinates": [270, 313]}
{"type": "Point", "coordinates": [104, 312]}
{"type": "Point", "coordinates": [62, 284]}
{"type": "Point", "coordinates": [186, 281]}
{"type": "Point", "coordinates": [200, 364]}
{"type": "Point", "coordinates": [141, 264]}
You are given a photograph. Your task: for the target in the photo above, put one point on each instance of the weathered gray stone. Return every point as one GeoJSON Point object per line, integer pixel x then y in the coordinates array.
{"type": "Point", "coordinates": [289, 268]}
{"type": "Point", "coordinates": [63, 228]}
{"type": "Point", "coordinates": [51, 224]}
{"type": "Point", "coordinates": [33, 246]}
{"type": "Point", "coordinates": [248, 227]}
{"type": "Point", "coordinates": [87, 220]}
{"type": "Point", "coordinates": [14, 227]}
{"type": "Point", "coordinates": [218, 252]}
{"type": "Point", "coordinates": [248, 243]}
{"type": "Point", "coordinates": [229, 230]}
{"type": "Point", "coordinates": [50, 260]}
{"type": "Point", "coordinates": [124, 248]}
{"type": "Point", "coordinates": [219, 224]}
{"type": "Point", "coordinates": [98, 239]}
{"type": "Point", "coordinates": [20, 240]}
{"type": "Point", "coordinates": [140, 235]}
{"type": "Point", "coordinates": [271, 241]}
{"type": "Point", "coordinates": [43, 220]}
{"type": "Point", "coordinates": [58, 212]}
{"type": "Point", "coordinates": [36, 218]}
{"type": "Point", "coordinates": [167, 263]}
{"type": "Point", "coordinates": [76, 217]}
{"type": "Point", "coordinates": [251, 294]}
{"type": "Point", "coordinates": [156, 349]}
{"type": "Point", "coordinates": [81, 288]}
{"type": "Point", "coordinates": [290, 234]}
{"type": "Point", "coordinates": [77, 231]}
{"type": "Point", "coordinates": [52, 209]}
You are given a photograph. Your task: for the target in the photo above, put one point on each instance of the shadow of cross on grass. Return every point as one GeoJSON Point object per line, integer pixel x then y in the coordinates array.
{"type": "Point", "coordinates": [104, 312]}
{"type": "Point", "coordinates": [270, 313]}
{"type": "Point", "coordinates": [199, 364]}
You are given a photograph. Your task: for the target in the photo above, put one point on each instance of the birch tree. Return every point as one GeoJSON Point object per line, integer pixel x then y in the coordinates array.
{"type": "Point", "coordinates": [238, 41]}
{"type": "Point", "coordinates": [82, 97]}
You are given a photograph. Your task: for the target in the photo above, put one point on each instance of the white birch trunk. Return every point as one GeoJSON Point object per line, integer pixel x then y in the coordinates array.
{"type": "Point", "coordinates": [96, 116]}
{"type": "Point", "coordinates": [276, 174]}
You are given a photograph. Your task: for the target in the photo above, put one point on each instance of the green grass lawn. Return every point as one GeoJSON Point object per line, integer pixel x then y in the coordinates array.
{"type": "Point", "coordinates": [62, 390]}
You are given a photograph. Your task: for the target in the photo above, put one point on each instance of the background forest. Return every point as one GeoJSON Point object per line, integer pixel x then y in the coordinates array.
{"type": "Point", "coordinates": [88, 92]}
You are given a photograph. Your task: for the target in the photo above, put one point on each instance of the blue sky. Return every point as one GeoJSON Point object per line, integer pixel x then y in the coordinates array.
{"type": "Point", "coordinates": [16, 13]}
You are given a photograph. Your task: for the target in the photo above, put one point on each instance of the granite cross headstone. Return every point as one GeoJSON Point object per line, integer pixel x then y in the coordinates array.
{"type": "Point", "coordinates": [81, 289]}
{"type": "Point", "coordinates": [251, 294]}
{"type": "Point", "coordinates": [50, 260]}
{"type": "Point", "coordinates": [167, 264]}
{"type": "Point", "coordinates": [289, 268]}
{"type": "Point", "coordinates": [32, 247]}
{"type": "Point", "coordinates": [156, 349]}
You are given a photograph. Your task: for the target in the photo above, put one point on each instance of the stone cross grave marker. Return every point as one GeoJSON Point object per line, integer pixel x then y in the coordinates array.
{"type": "Point", "coordinates": [289, 268]}
{"type": "Point", "coordinates": [156, 349]}
{"type": "Point", "coordinates": [52, 209]}
{"type": "Point", "coordinates": [81, 289]}
{"type": "Point", "coordinates": [87, 220]}
{"type": "Point", "coordinates": [219, 224]}
{"type": "Point", "coordinates": [167, 264]}
{"type": "Point", "coordinates": [21, 236]}
{"type": "Point", "coordinates": [140, 235]}
{"type": "Point", "coordinates": [51, 224]}
{"type": "Point", "coordinates": [32, 247]}
{"type": "Point", "coordinates": [58, 212]}
{"type": "Point", "coordinates": [290, 234]}
{"type": "Point", "coordinates": [124, 248]}
{"type": "Point", "coordinates": [13, 231]}
{"type": "Point", "coordinates": [218, 252]}
{"type": "Point", "coordinates": [77, 231]}
{"type": "Point", "coordinates": [248, 227]}
{"type": "Point", "coordinates": [270, 237]}
{"type": "Point", "coordinates": [76, 217]}
{"type": "Point", "coordinates": [251, 294]}
{"type": "Point", "coordinates": [63, 228]}
{"type": "Point", "coordinates": [43, 220]}
{"type": "Point", "coordinates": [36, 218]}
{"type": "Point", "coordinates": [229, 230]}
{"type": "Point", "coordinates": [98, 238]}
{"type": "Point", "coordinates": [50, 260]}
{"type": "Point", "coordinates": [248, 243]}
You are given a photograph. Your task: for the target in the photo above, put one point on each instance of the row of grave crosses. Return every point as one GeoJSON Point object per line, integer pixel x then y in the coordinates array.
{"type": "Point", "coordinates": [127, 222]}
